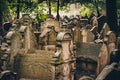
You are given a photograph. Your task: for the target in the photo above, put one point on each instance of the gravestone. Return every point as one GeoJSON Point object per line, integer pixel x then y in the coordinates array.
{"type": "Point", "coordinates": [52, 36]}
{"type": "Point", "coordinates": [103, 58]}
{"type": "Point", "coordinates": [87, 35]}
{"type": "Point", "coordinates": [104, 30]}
{"type": "Point", "coordinates": [35, 66]}
{"type": "Point", "coordinates": [29, 37]}
{"type": "Point", "coordinates": [51, 22]}
{"type": "Point", "coordinates": [87, 56]}
{"type": "Point", "coordinates": [77, 35]}
{"type": "Point", "coordinates": [48, 38]}
{"type": "Point", "coordinates": [63, 59]}
{"type": "Point", "coordinates": [14, 39]}
{"type": "Point", "coordinates": [111, 40]}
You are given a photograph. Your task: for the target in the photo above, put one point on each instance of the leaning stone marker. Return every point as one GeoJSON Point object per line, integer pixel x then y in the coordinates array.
{"type": "Point", "coordinates": [105, 30]}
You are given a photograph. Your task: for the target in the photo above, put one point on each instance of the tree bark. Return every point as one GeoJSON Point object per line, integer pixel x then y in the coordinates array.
{"type": "Point", "coordinates": [1, 20]}
{"type": "Point", "coordinates": [112, 14]}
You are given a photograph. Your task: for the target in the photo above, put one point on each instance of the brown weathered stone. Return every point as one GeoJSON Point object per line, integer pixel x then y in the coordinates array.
{"type": "Point", "coordinates": [103, 58]}
{"type": "Point", "coordinates": [51, 22]}
{"type": "Point", "coordinates": [15, 40]}
{"type": "Point", "coordinates": [64, 56]}
{"type": "Point", "coordinates": [87, 35]}
{"type": "Point", "coordinates": [29, 37]}
{"type": "Point", "coordinates": [88, 50]}
{"type": "Point", "coordinates": [35, 66]}
{"type": "Point", "coordinates": [77, 35]}
{"type": "Point", "coordinates": [104, 30]}
{"type": "Point", "coordinates": [30, 41]}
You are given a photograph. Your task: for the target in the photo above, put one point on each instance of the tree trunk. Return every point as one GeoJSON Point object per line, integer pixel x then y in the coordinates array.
{"type": "Point", "coordinates": [112, 15]}
{"type": "Point", "coordinates": [1, 19]}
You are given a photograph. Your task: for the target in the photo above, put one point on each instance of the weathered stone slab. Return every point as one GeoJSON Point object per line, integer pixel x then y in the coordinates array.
{"type": "Point", "coordinates": [64, 57]}
{"type": "Point", "coordinates": [77, 35]}
{"type": "Point", "coordinates": [87, 35]}
{"type": "Point", "coordinates": [29, 41]}
{"type": "Point", "coordinates": [88, 50]}
{"type": "Point", "coordinates": [103, 58]}
{"type": "Point", "coordinates": [105, 30]}
{"type": "Point", "coordinates": [14, 39]}
{"type": "Point", "coordinates": [111, 39]}
{"type": "Point", "coordinates": [35, 66]}
{"type": "Point", "coordinates": [51, 22]}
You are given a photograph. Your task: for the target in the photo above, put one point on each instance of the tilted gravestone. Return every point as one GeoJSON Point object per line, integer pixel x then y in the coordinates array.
{"type": "Point", "coordinates": [87, 35]}
{"type": "Point", "coordinates": [104, 30]}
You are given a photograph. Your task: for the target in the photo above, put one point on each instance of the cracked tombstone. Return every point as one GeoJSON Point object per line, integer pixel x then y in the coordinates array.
{"type": "Point", "coordinates": [29, 41]}
{"type": "Point", "coordinates": [63, 57]}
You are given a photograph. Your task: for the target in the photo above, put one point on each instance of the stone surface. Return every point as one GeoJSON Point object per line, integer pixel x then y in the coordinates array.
{"type": "Point", "coordinates": [51, 22]}
{"type": "Point", "coordinates": [103, 58]}
{"type": "Point", "coordinates": [35, 66]}
{"type": "Point", "coordinates": [88, 50]}
{"type": "Point", "coordinates": [87, 35]}
{"type": "Point", "coordinates": [77, 35]}
{"type": "Point", "coordinates": [104, 30]}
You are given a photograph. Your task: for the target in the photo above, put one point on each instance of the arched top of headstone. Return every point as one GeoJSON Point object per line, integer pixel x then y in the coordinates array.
{"type": "Point", "coordinates": [64, 36]}
{"type": "Point", "coordinates": [26, 19]}
{"type": "Point", "coordinates": [51, 22]}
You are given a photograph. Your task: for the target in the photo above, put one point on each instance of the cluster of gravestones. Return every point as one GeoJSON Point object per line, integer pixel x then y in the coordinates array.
{"type": "Point", "coordinates": [57, 51]}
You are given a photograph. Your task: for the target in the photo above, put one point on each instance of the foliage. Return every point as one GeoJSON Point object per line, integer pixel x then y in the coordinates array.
{"type": "Point", "coordinates": [86, 9]}
{"type": "Point", "coordinates": [40, 11]}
